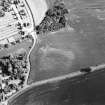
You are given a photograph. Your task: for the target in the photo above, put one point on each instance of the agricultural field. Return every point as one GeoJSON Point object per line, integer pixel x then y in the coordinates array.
{"type": "Point", "coordinates": [69, 91]}
{"type": "Point", "coordinates": [56, 56]}
{"type": "Point", "coordinates": [79, 44]}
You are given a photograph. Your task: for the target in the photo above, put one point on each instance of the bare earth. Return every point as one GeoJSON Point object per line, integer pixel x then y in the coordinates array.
{"type": "Point", "coordinates": [38, 8]}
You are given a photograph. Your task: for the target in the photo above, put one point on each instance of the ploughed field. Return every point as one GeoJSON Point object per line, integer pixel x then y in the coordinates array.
{"type": "Point", "coordinates": [80, 90]}
{"type": "Point", "coordinates": [81, 43]}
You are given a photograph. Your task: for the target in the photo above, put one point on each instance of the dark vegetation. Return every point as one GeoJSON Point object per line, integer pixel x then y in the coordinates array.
{"type": "Point", "coordinates": [11, 66]}
{"type": "Point", "coordinates": [5, 4]}
{"type": "Point", "coordinates": [4, 7]}
{"type": "Point", "coordinates": [54, 19]}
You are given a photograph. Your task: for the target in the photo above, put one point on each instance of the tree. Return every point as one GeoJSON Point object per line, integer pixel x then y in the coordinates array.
{"type": "Point", "coordinates": [6, 46]}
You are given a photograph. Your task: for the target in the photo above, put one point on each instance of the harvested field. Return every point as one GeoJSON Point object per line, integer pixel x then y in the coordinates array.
{"type": "Point", "coordinates": [35, 7]}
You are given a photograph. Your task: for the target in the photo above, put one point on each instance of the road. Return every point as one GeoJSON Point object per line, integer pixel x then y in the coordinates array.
{"type": "Point", "coordinates": [28, 56]}
{"type": "Point", "coordinates": [37, 10]}
{"type": "Point", "coordinates": [33, 34]}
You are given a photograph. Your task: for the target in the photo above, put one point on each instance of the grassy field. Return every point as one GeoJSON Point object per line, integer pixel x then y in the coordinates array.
{"type": "Point", "coordinates": [13, 48]}
{"type": "Point", "coordinates": [72, 50]}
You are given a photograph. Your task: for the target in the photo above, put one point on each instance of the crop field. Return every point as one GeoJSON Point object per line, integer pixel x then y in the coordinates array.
{"type": "Point", "coordinates": [80, 44]}
{"type": "Point", "coordinates": [80, 90]}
